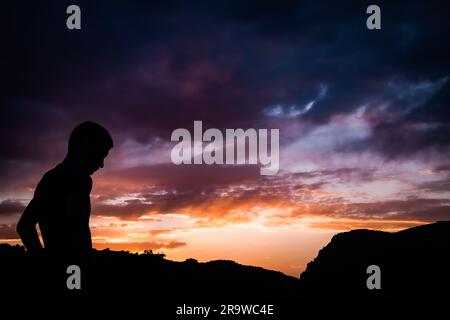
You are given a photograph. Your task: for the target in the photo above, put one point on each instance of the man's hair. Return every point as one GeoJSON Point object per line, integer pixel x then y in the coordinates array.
{"type": "Point", "coordinates": [90, 132]}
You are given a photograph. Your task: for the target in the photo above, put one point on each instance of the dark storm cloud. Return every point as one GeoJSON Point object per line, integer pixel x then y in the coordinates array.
{"type": "Point", "coordinates": [443, 168]}
{"type": "Point", "coordinates": [424, 209]}
{"type": "Point", "coordinates": [167, 175]}
{"type": "Point", "coordinates": [166, 188]}
{"type": "Point", "coordinates": [438, 213]}
{"type": "Point", "coordinates": [410, 118]}
{"type": "Point", "coordinates": [214, 191]}
{"type": "Point", "coordinates": [436, 186]}
{"type": "Point", "coordinates": [10, 207]}
{"type": "Point", "coordinates": [143, 69]}
{"type": "Point", "coordinates": [343, 174]}
{"type": "Point", "coordinates": [412, 209]}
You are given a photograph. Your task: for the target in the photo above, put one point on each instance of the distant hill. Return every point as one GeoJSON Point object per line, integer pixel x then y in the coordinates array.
{"type": "Point", "coordinates": [414, 263]}
{"type": "Point", "coordinates": [112, 273]}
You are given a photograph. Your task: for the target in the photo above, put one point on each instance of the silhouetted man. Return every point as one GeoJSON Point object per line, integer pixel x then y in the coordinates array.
{"type": "Point", "coordinates": [61, 202]}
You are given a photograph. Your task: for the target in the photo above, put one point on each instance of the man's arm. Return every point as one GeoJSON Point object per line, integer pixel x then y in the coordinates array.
{"type": "Point", "coordinates": [26, 228]}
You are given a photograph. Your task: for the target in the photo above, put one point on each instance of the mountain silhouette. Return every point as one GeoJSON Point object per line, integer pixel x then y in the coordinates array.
{"type": "Point", "coordinates": [414, 264]}
{"type": "Point", "coordinates": [117, 273]}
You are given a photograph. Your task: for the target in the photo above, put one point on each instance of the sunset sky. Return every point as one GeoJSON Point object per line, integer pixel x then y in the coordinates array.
{"type": "Point", "coordinates": [364, 120]}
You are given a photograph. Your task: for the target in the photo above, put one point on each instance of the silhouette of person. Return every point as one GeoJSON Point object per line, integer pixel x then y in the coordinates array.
{"type": "Point", "coordinates": [61, 201]}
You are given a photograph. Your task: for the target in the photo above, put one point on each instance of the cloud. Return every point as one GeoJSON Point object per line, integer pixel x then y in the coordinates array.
{"type": "Point", "coordinates": [342, 98]}
{"type": "Point", "coordinates": [436, 186]}
{"type": "Point", "coordinates": [226, 195]}
{"type": "Point", "coordinates": [414, 209]}
{"type": "Point", "coordinates": [139, 246]}
{"type": "Point", "coordinates": [8, 231]}
{"type": "Point", "coordinates": [168, 175]}
{"type": "Point", "coordinates": [167, 188]}
{"type": "Point", "coordinates": [11, 207]}
{"type": "Point", "coordinates": [294, 111]}
{"type": "Point", "coordinates": [442, 168]}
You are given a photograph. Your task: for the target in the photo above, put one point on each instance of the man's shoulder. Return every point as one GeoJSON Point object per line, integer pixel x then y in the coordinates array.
{"type": "Point", "coordinates": [61, 179]}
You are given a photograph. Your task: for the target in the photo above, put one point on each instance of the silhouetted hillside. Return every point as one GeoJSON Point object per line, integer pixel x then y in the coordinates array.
{"type": "Point", "coordinates": [414, 263]}
{"type": "Point", "coordinates": [150, 275]}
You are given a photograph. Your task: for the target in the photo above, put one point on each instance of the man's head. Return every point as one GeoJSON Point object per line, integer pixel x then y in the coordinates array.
{"type": "Point", "coordinates": [89, 144]}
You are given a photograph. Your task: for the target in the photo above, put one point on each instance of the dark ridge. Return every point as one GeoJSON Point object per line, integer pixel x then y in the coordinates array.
{"type": "Point", "coordinates": [414, 263]}
{"type": "Point", "coordinates": [117, 273]}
